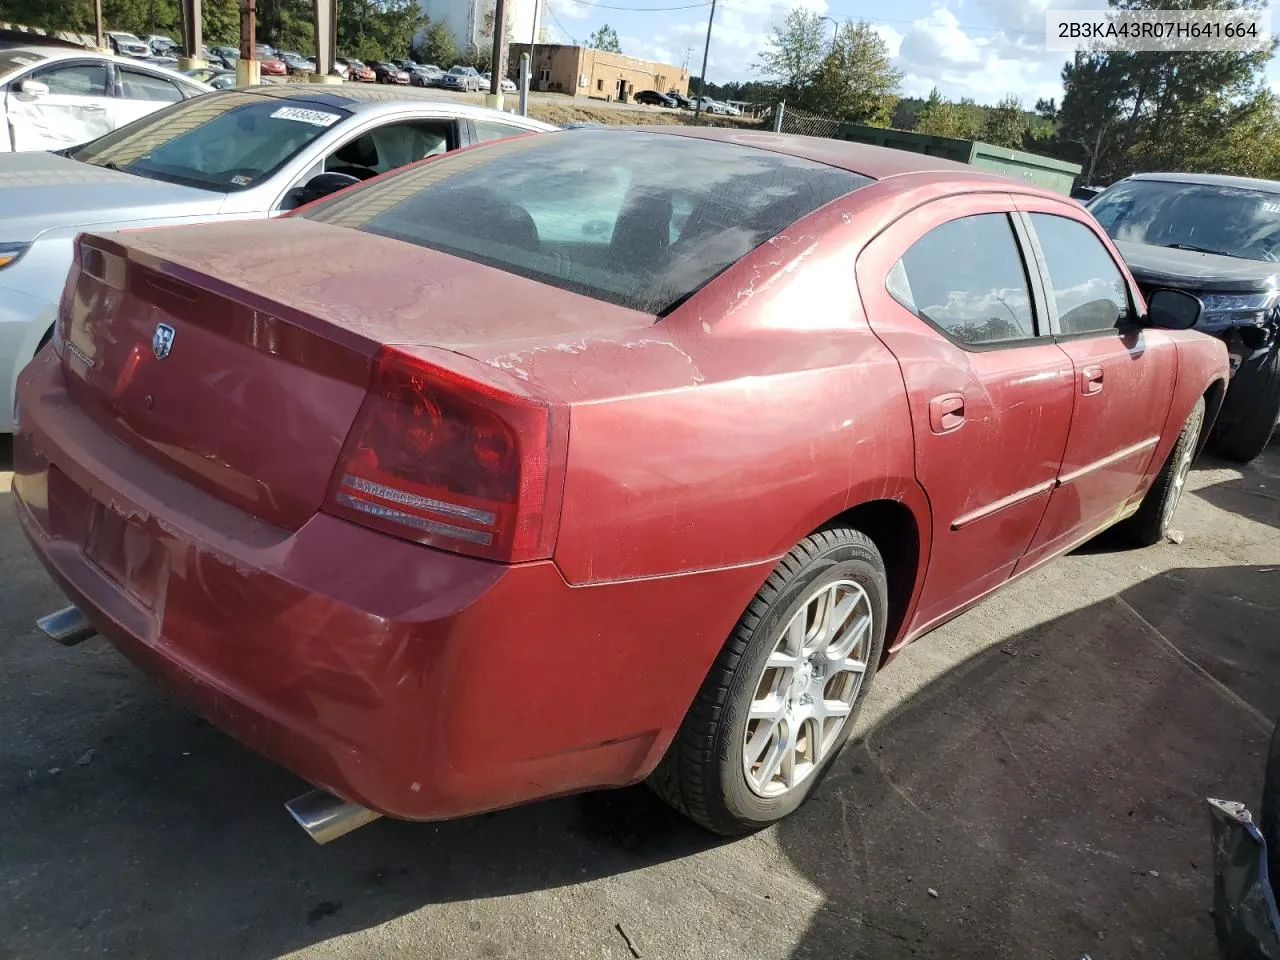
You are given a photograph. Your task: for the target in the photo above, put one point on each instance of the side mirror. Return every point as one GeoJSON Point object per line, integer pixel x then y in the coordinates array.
{"type": "Point", "coordinates": [33, 88]}
{"type": "Point", "coordinates": [321, 185]}
{"type": "Point", "coordinates": [1173, 310]}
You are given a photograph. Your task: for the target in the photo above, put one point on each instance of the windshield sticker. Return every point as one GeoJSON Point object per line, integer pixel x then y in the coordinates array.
{"type": "Point", "coordinates": [22, 60]}
{"type": "Point", "coordinates": [317, 118]}
{"type": "Point", "coordinates": [1271, 207]}
{"type": "Point", "coordinates": [240, 180]}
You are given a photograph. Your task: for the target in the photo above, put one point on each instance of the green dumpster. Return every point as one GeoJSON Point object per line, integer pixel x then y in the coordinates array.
{"type": "Point", "coordinates": [1042, 171]}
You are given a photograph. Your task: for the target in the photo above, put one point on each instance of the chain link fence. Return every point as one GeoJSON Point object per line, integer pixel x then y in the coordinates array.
{"type": "Point", "coordinates": [787, 119]}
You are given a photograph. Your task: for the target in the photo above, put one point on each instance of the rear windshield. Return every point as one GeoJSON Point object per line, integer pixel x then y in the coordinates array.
{"type": "Point", "coordinates": [220, 141]}
{"type": "Point", "coordinates": [11, 60]}
{"type": "Point", "coordinates": [638, 219]}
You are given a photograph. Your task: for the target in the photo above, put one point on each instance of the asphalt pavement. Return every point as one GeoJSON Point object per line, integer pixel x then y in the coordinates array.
{"type": "Point", "coordinates": [1028, 781]}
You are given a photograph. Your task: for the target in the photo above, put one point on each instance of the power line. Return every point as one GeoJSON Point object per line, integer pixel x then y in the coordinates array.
{"type": "Point", "coordinates": [552, 10]}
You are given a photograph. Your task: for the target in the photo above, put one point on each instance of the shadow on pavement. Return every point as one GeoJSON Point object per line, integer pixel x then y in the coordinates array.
{"type": "Point", "coordinates": [1255, 493]}
{"type": "Point", "coordinates": [1045, 790]}
{"type": "Point", "coordinates": [1046, 798]}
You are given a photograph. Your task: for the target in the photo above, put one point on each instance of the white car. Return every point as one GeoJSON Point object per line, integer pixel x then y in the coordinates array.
{"type": "Point", "coordinates": [56, 97]}
{"type": "Point", "coordinates": [233, 155]}
{"type": "Point", "coordinates": [127, 45]}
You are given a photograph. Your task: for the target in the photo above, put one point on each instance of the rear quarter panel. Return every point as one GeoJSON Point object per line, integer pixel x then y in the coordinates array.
{"type": "Point", "coordinates": [722, 435]}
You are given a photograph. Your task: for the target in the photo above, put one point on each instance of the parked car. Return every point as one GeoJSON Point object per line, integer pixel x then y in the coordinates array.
{"type": "Point", "coordinates": [385, 72]}
{"type": "Point", "coordinates": [1218, 238]}
{"type": "Point", "coordinates": [161, 45]}
{"type": "Point", "coordinates": [252, 153]}
{"type": "Point", "coordinates": [54, 97]}
{"type": "Point", "coordinates": [506, 84]}
{"type": "Point", "coordinates": [655, 99]}
{"type": "Point", "coordinates": [461, 78]}
{"type": "Point", "coordinates": [408, 65]}
{"type": "Point", "coordinates": [219, 78]}
{"type": "Point", "coordinates": [297, 63]}
{"type": "Point", "coordinates": [425, 75]}
{"type": "Point", "coordinates": [224, 56]}
{"type": "Point", "coordinates": [683, 102]}
{"type": "Point", "coordinates": [784, 414]}
{"type": "Point", "coordinates": [126, 44]}
{"type": "Point", "coordinates": [342, 67]}
{"type": "Point", "coordinates": [1085, 193]}
{"type": "Point", "coordinates": [273, 67]}
{"type": "Point", "coordinates": [1246, 862]}
{"type": "Point", "coordinates": [264, 51]}
{"type": "Point", "coordinates": [357, 70]}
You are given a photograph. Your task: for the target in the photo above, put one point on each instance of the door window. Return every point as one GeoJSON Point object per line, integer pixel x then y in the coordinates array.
{"type": "Point", "coordinates": [967, 278]}
{"type": "Point", "coordinates": [396, 144]}
{"type": "Point", "coordinates": [75, 80]}
{"type": "Point", "coordinates": [136, 85]}
{"type": "Point", "coordinates": [1086, 284]}
{"type": "Point", "coordinates": [489, 130]}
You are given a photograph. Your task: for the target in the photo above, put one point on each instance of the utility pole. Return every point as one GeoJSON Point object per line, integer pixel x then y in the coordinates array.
{"type": "Point", "coordinates": [97, 22]}
{"type": "Point", "coordinates": [702, 78]}
{"type": "Point", "coordinates": [533, 42]}
{"type": "Point", "coordinates": [494, 99]}
{"type": "Point", "coordinates": [247, 64]}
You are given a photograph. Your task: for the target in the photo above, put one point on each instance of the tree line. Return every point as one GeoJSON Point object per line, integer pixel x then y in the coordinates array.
{"type": "Point", "coordinates": [1120, 112]}
{"type": "Point", "coordinates": [367, 29]}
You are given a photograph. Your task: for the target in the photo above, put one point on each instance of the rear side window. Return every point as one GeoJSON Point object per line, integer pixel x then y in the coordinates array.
{"type": "Point", "coordinates": [1087, 286]}
{"type": "Point", "coordinates": [967, 278]}
{"type": "Point", "coordinates": [136, 85]}
{"type": "Point", "coordinates": [487, 130]}
{"type": "Point", "coordinates": [634, 218]}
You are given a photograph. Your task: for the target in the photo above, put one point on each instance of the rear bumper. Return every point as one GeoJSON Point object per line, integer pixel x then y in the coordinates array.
{"type": "Point", "coordinates": [419, 683]}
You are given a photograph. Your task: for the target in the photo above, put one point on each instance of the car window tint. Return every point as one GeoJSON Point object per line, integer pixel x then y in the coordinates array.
{"type": "Point", "coordinates": [592, 210]}
{"type": "Point", "coordinates": [967, 278]}
{"type": "Point", "coordinates": [136, 85]}
{"type": "Point", "coordinates": [488, 130]}
{"type": "Point", "coordinates": [219, 141]}
{"type": "Point", "coordinates": [79, 80]}
{"type": "Point", "coordinates": [1087, 286]}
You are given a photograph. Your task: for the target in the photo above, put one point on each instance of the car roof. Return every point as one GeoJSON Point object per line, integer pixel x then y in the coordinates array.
{"type": "Point", "coordinates": [71, 53]}
{"type": "Point", "coordinates": [878, 163]}
{"type": "Point", "coordinates": [1212, 180]}
{"type": "Point", "coordinates": [379, 99]}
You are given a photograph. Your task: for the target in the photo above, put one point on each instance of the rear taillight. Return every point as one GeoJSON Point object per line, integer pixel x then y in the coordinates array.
{"type": "Point", "coordinates": [455, 461]}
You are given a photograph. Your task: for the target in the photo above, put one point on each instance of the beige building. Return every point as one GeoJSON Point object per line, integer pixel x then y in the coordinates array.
{"type": "Point", "coordinates": [595, 73]}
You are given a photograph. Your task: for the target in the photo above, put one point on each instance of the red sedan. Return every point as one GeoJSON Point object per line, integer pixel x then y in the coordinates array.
{"type": "Point", "coordinates": [273, 67]}
{"type": "Point", "coordinates": [530, 470]}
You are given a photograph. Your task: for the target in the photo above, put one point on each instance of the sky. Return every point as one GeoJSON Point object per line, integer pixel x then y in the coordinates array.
{"type": "Point", "coordinates": [984, 49]}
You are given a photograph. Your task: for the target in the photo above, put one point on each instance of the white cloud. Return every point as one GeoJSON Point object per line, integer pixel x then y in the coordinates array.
{"type": "Point", "coordinates": [937, 50]}
{"type": "Point", "coordinates": [569, 10]}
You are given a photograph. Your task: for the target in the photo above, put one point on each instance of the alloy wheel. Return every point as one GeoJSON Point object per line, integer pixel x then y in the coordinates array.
{"type": "Point", "coordinates": [807, 689]}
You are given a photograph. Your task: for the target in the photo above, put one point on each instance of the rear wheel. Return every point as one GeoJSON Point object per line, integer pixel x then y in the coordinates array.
{"type": "Point", "coordinates": [1256, 386]}
{"type": "Point", "coordinates": [783, 695]}
{"type": "Point", "coordinates": [1154, 518]}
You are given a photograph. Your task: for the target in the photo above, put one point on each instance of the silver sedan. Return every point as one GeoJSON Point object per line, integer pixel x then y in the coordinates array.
{"type": "Point", "coordinates": [231, 155]}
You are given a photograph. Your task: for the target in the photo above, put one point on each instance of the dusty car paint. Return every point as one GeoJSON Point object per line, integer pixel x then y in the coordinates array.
{"type": "Point", "coordinates": [698, 449]}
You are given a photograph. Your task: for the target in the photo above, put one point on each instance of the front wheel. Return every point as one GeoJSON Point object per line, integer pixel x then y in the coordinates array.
{"type": "Point", "coordinates": [783, 695]}
{"type": "Point", "coordinates": [1255, 392]}
{"type": "Point", "coordinates": [1154, 519]}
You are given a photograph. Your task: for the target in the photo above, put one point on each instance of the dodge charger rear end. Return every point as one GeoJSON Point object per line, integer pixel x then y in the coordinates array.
{"type": "Point", "coordinates": [524, 471]}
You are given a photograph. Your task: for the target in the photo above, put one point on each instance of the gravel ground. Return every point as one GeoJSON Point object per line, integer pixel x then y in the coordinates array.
{"type": "Point", "coordinates": [1028, 782]}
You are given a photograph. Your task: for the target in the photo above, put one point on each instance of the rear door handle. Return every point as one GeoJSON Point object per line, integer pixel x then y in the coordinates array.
{"type": "Point", "coordinates": [946, 412]}
{"type": "Point", "coordinates": [1091, 381]}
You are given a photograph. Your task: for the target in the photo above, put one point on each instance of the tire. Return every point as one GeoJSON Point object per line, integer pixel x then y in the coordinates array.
{"type": "Point", "coordinates": [1256, 386]}
{"type": "Point", "coordinates": [1154, 518]}
{"type": "Point", "coordinates": [703, 774]}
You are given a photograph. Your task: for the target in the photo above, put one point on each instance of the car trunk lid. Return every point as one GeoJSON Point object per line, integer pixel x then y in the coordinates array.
{"type": "Point", "coordinates": [237, 355]}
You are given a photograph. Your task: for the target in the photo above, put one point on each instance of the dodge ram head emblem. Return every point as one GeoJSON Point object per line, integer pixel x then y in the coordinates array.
{"type": "Point", "coordinates": [162, 342]}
